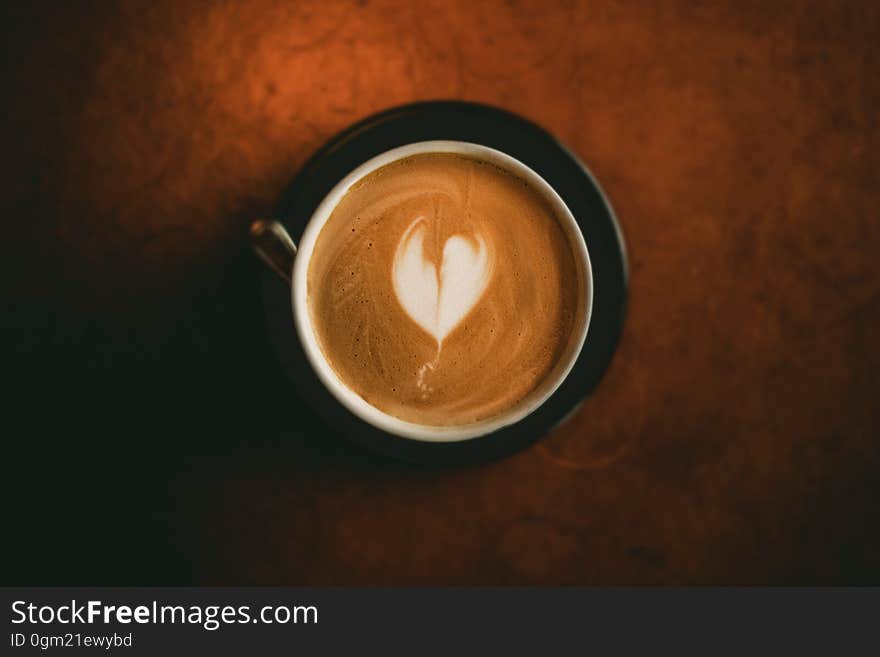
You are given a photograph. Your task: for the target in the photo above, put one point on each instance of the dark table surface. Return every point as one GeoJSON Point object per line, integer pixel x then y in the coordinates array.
{"type": "Point", "coordinates": [151, 438]}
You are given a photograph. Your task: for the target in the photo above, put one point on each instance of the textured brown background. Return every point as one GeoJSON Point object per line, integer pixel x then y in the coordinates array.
{"type": "Point", "coordinates": [152, 438]}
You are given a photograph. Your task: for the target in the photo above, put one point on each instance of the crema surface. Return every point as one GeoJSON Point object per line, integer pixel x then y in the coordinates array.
{"type": "Point", "coordinates": [442, 289]}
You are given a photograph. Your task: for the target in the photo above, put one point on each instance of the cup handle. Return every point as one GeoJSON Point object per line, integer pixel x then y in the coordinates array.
{"type": "Point", "coordinates": [272, 244]}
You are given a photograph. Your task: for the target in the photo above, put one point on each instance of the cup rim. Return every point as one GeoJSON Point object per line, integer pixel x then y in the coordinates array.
{"type": "Point", "coordinates": [356, 404]}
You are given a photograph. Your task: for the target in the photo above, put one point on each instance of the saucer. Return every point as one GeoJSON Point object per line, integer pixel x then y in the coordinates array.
{"type": "Point", "coordinates": [532, 145]}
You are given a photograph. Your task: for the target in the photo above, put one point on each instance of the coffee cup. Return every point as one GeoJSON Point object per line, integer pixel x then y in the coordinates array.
{"type": "Point", "coordinates": [293, 263]}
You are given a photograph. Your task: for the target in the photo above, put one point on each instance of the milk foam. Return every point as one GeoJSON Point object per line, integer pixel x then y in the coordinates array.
{"type": "Point", "coordinates": [437, 300]}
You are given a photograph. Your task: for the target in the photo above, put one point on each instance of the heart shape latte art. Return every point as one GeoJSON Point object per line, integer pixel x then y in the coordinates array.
{"type": "Point", "coordinates": [438, 300]}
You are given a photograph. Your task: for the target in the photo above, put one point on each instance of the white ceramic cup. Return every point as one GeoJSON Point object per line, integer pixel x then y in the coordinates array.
{"type": "Point", "coordinates": [275, 247]}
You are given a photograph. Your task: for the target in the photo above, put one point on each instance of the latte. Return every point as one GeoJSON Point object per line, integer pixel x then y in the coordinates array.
{"type": "Point", "coordinates": [443, 290]}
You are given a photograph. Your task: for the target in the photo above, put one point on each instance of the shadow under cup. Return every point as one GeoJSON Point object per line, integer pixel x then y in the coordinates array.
{"type": "Point", "coordinates": [355, 403]}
